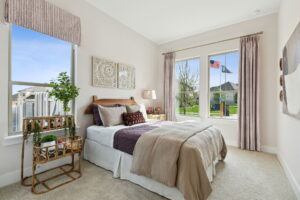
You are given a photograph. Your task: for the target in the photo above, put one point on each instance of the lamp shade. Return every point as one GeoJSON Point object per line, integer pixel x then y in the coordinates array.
{"type": "Point", "coordinates": [149, 94]}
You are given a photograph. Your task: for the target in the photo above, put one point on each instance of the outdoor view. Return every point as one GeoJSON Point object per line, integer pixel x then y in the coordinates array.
{"type": "Point", "coordinates": [35, 60]}
{"type": "Point", "coordinates": [187, 79]}
{"type": "Point", "coordinates": [224, 85]}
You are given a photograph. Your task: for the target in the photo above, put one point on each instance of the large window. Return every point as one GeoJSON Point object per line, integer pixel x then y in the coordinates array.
{"type": "Point", "coordinates": [224, 85]}
{"type": "Point", "coordinates": [187, 87]}
{"type": "Point", "coordinates": [35, 60]}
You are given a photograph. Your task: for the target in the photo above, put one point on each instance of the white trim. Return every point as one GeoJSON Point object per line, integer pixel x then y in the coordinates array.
{"type": "Point", "coordinates": [13, 177]}
{"type": "Point", "coordinates": [231, 143]}
{"type": "Point", "coordinates": [268, 149]}
{"type": "Point", "coordinates": [265, 149]}
{"type": "Point", "coordinates": [290, 177]}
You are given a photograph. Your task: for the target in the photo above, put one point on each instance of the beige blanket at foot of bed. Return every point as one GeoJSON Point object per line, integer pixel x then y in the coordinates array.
{"type": "Point", "coordinates": [178, 155]}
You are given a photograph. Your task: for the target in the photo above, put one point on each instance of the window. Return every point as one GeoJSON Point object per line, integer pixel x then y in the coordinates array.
{"type": "Point", "coordinates": [187, 87]}
{"type": "Point", "coordinates": [35, 60]}
{"type": "Point", "coordinates": [224, 85]}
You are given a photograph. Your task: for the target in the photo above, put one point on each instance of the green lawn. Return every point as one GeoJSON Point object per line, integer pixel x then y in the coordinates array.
{"type": "Point", "coordinates": [232, 111]}
{"type": "Point", "coordinates": [194, 111]}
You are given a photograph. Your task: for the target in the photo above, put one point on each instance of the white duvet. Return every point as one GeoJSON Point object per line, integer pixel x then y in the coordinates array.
{"type": "Point", "coordinates": [105, 135]}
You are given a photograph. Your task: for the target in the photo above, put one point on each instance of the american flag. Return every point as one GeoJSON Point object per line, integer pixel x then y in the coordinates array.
{"type": "Point", "coordinates": [214, 64]}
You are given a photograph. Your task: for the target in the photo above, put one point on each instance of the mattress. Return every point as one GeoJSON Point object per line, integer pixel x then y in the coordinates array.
{"type": "Point", "coordinates": [105, 135]}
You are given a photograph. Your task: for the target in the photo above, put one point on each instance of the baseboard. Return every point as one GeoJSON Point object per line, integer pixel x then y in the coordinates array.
{"type": "Point", "coordinates": [14, 177]}
{"type": "Point", "coordinates": [264, 148]}
{"type": "Point", "coordinates": [290, 177]}
{"type": "Point", "coordinates": [231, 143]}
{"type": "Point", "coordinates": [268, 149]}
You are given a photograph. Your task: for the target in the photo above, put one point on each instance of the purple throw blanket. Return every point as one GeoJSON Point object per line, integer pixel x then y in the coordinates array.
{"type": "Point", "coordinates": [126, 138]}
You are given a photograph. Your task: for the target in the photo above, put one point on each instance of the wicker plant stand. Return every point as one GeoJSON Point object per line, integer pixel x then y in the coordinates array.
{"type": "Point", "coordinates": [64, 147]}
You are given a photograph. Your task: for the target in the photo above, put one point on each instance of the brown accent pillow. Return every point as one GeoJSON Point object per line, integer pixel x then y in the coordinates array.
{"type": "Point", "coordinates": [130, 119]}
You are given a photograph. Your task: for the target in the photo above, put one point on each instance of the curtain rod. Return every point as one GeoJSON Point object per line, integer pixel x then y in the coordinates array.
{"type": "Point", "coordinates": [202, 45]}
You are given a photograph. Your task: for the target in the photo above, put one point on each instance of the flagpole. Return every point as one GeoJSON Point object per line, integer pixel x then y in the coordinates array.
{"type": "Point", "coordinates": [225, 67]}
{"type": "Point", "coordinates": [220, 89]}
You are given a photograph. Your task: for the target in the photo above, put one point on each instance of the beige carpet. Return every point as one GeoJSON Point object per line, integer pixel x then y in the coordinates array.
{"type": "Point", "coordinates": [243, 176]}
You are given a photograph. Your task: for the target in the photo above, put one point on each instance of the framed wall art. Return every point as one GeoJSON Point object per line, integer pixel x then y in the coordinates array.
{"type": "Point", "coordinates": [126, 76]}
{"type": "Point", "coordinates": [105, 73]}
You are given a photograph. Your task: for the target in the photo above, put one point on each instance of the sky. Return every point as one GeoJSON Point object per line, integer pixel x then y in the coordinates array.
{"type": "Point", "coordinates": [230, 60]}
{"type": "Point", "coordinates": [36, 57]}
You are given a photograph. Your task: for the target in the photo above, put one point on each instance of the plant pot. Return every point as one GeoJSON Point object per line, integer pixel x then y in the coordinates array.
{"type": "Point", "coordinates": [45, 144]}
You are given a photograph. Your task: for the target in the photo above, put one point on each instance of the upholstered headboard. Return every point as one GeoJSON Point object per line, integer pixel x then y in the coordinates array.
{"type": "Point", "coordinates": [107, 102]}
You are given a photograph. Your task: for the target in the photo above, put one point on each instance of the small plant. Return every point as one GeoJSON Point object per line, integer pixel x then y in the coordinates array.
{"type": "Point", "coordinates": [63, 90]}
{"type": "Point", "coordinates": [72, 127]}
{"type": "Point", "coordinates": [36, 133]}
{"type": "Point", "coordinates": [28, 131]}
{"type": "Point", "coordinates": [48, 138]}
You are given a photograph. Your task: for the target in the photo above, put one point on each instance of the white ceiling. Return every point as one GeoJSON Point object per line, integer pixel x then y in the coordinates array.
{"type": "Point", "coordinates": [167, 20]}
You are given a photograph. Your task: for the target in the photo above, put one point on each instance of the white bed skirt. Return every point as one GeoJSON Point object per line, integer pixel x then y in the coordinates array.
{"type": "Point", "coordinates": [120, 164]}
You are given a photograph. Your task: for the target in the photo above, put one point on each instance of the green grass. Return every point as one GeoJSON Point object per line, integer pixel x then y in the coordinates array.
{"type": "Point", "coordinates": [194, 111]}
{"type": "Point", "coordinates": [232, 111]}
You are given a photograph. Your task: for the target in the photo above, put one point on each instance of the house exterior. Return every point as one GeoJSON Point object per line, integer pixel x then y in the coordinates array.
{"type": "Point", "coordinates": [228, 92]}
{"type": "Point", "coordinates": [32, 102]}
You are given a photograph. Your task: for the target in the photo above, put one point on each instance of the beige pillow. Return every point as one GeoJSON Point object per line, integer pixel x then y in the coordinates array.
{"type": "Point", "coordinates": [135, 108]}
{"type": "Point", "coordinates": [111, 116]}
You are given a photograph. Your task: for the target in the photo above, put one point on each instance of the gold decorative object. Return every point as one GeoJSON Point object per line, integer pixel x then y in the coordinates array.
{"type": "Point", "coordinates": [280, 64]}
{"type": "Point", "coordinates": [281, 95]}
{"type": "Point", "coordinates": [65, 146]}
{"type": "Point", "coordinates": [281, 80]}
{"type": "Point", "coordinates": [157, 116]}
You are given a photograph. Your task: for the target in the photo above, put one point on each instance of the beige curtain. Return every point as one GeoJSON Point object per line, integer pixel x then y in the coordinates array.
{"type": "Point", "coordinates": [44, 17]}
{"type": "Point", "coordinates": [169, 86]}
{"type": "Point", "coordinates": [249, 137]}
{"type": "Point", "coordinates": [2, 11]}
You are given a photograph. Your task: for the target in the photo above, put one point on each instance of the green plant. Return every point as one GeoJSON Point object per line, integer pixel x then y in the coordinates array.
{"type": "Point", "coordinates": [72, 127]}
{"type": "Point", "coordinates": [48, 138]}
{"type": "Point", "coordinates": [36, 133]}
{"type": "Point", "coordinates": [63, 90]}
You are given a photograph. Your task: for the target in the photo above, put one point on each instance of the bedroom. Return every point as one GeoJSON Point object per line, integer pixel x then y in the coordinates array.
{"type": "Point", "coordinates": [138, 34]}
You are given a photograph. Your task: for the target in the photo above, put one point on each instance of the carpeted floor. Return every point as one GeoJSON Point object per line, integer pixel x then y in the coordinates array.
{"type": "Point", "coordinates": [243, 176]}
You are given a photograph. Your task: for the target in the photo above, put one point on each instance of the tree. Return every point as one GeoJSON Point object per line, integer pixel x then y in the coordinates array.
{"type": "Point", "coordinates": [187, 83]}
{"type": "Point", "coordinates": [63, 90]}
{"type": "Point", "coordinates": [236, 98]}
{"type": "Point", "coordinates": [217, 97]}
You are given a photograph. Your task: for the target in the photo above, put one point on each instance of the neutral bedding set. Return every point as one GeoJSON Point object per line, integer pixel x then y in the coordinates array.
{"type": "Point", "coordinates": [171, 154]}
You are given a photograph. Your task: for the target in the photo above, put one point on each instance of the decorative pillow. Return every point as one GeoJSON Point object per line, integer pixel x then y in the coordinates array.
{"type": "Point", "coordinates": [111, 116]}
{"type": "Point", "coordinates": [135, 108]}
{"type": "Point", "coordinates": [97, 118]}
{"type": "Point", "coordinates": [133, 118]}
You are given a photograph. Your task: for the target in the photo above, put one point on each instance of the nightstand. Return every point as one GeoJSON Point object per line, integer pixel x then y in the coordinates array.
{"type": "Point", "coordinates": [157, 116]}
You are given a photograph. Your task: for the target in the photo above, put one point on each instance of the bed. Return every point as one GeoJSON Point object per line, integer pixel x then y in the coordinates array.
{"type": "Point", "coordinates": [99, 149]}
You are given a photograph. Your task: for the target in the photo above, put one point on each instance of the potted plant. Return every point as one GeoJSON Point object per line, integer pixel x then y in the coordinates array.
{"type": "Point", "coordinates": [49, 140]}
{"type": "Point", "coordinates": [36, 133]}
{"type": "Point", "coordinates": [63, 90]}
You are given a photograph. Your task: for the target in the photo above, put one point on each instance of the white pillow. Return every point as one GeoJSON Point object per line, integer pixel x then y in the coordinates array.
{"type": "Point", "coordinates": [111, 116]}
{"type": "Point", "coordinates": [135, 108]}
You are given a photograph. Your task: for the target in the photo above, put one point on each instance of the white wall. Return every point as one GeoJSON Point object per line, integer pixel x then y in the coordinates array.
{"type": "Point", "coordinates": [101, 36]}
{"type": "Point", "coordinates": [267, 71]}
{"type": "Point", "coordinates": [288, 127]}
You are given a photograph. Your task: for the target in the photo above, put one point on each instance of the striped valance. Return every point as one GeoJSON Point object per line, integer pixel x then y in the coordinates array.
{"type": "Point", "coordinates": [44, 17]}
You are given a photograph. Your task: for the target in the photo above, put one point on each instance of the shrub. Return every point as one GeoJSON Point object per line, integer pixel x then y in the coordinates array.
{"type": "Point", "coordinates": [48, 138]}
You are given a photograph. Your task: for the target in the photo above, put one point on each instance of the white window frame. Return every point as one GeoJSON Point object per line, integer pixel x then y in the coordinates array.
{"type": "Point", "coordinates": [11, 83]}
{"type": "Point", "coordinates": [208, 83]}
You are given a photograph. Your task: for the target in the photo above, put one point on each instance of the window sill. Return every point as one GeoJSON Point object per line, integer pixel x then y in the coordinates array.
{"type": "Point", "coordinates": [12, 140]}
{"type": "Point", "coordinates": [18, 139]}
